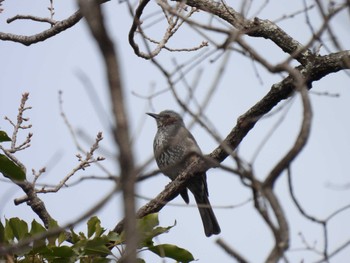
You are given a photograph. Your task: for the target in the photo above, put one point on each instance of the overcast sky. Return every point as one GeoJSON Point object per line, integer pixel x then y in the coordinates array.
{"type": "Point", "coordinates": [59, 63]}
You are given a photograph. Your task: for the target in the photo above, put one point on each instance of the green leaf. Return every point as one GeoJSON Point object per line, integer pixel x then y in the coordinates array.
{"type": "Point", "coordinates": [37, 228]}
{"type": "Point", "coordinates": [62, 254]}
{"type": "Point", "coordinates": [114, 237]}
{"type": "Point", "coordinates": [75, 238]}
{"type": "Point", "coordinates": [145, 227]}
{"type": "Point", "coordinates": [94, 227]}
{"type": "Point", "coordinates": [4, 137]}
{"type": "Point", "coordinates": [52, 225]}
{"type": "Point", "coordinates": [98, 260]}
{"type": "Point", "coordinates": [97, 246]}
{"type": "Point", "coordinates": [10, 170]}
{"type": "Point", "coordinates": [8, 231]}
{"type": "Point", "coordinates": [148, 222]}
{"type": "Point", "coordinates": [172, 251]}
{"type": "Point", "coordinates": [161, 230]}
{"type": "Point", "coordinates": [61, 238]}
{"type": "Point", "coordinates": [82, 236]}
{"type": "Point", "coordinates": [148, 230]}
{"type": "Point", "coordinates": [19, 228]}
{"type": "Point", "coordinates": [2, 233]}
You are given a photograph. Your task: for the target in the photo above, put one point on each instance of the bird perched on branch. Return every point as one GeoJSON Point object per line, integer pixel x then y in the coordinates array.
{"type": "Point", "coordinates": [173, 148]}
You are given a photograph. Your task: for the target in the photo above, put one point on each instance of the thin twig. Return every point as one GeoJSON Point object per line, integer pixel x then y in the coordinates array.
{"type": "Point", "coordinates": [51, 21]}
{"type": "Point", "coordinates": [229, 250]}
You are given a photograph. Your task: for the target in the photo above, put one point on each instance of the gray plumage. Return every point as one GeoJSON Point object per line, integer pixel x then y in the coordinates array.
{"type": "Point", "coordinates": [173, 148]}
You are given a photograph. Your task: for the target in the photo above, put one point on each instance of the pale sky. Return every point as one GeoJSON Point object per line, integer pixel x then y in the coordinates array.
{"type": "Point", "coordinates": [45, 68]}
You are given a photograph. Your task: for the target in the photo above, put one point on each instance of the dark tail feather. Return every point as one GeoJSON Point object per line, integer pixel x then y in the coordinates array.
{"type": "Point", "coordinates": [210, 224]}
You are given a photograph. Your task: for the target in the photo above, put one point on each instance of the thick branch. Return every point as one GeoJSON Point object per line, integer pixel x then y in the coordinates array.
{"type": "Point", "coordinates": [35, 202]}
{"type": "Point", "coordinates": [170, 191]}
{"type": "Point", "coordinates": [93, 14]}
{"type": "Point", "coordinates": [321, 67]}
{"type": "Point", "coordinates": [254, 28]}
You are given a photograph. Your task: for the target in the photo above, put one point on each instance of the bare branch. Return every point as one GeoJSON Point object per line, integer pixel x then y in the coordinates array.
{"type": "Point", "coordinates": [83, 163]}
{"type": "Point", "coordinates": [94, 18]}
{"type": "Point", "coordinates": [229, 250]}
{"type": "Point", "coordinates": [174, 23]}
{"type": "Point", "coordinates": [169, 193]}
{"type": "Point", "coordinates": [33, 18]}
{"type": "Point", "coordinates": [16, 129]}
{"type": "Point", "coordinates": [278, 92]}
{"type": "Point", "coordinates": [256, 28]}
{"type": "Point", "coordinates": [56, 28]}
{"type": "Point", "coordinates": [323, 66]}
{"type": "Point", "coordinates": [303, 136]}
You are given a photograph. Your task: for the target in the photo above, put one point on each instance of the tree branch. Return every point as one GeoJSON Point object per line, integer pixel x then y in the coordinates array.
{"type": "Point", "coordinates": [322, 66]}
{"type": "Point", "coordinates": [254, 28]}
{"type": "Point", "coordinates": [233, 253]}
{"type": "Point", "coordinates": [94, 17]}
{"type": "Point", "coordinates": [303, 133]}
{"type": "Point", "coordinates": [280, 91]}
{"type": "Point", "coordinates": [170, 191]}
{"type": "Point", "coordinates": [56, 28]}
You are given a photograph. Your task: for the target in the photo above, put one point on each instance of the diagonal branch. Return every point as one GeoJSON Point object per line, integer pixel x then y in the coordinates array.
{"type": "Point", "coordinates": [170, 191]}
{"type": "Point", "coordinates": [255, 28]}
{"type": "Point", "coordinates": [321, 67]}
{"type": "Point", "coordinates": [56, 28]}
{"type": "Point", "coordinates": [279, 91]}
{"type": "Point", "coordinates": [94, 17]}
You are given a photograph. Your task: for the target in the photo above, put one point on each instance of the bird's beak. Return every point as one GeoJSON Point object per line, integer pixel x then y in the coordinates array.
{"type": "Point", "coordinates": [156, 116]}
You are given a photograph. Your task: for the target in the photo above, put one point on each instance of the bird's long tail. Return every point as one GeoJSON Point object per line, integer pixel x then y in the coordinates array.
{"type": "Point", "coordinates": [210, 223]}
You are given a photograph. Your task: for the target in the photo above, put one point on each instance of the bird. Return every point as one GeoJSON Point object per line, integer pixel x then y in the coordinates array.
{"type": "Point", "coordinates": [174, 147]}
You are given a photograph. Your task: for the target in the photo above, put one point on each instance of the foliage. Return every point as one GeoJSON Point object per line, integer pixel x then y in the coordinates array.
{"type": "Point", "coordinates": [4, 137]}
{"type": "Point", "coordinates": [10, 170]}
{"type": "Point", "coordinates": [7, 167]}
{"type": "Point", "coordinates": [42, 245]}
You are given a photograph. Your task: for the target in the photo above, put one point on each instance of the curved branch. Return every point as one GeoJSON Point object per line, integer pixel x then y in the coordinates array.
{"type": "Point", "coordinates": [302, 137]}
{"type": "Point", "coordinates": [174, 23]}
{"type": "Point", "coordinates": [255, 28]}
{"type": "Point", "coordinates": [34, 18]}
{"type": "Point", "coordinates": [281, 233]}
{"type": "Point", "coordinates": [323, 66]}
{"type": "Point", "coordinates": [57, 28]}
{"type": "Point", "coordinates": [135, 24]}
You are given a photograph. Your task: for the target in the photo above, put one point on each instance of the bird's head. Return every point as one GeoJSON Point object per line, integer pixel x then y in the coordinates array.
{"type": "Point", "coordinates": [166, 118]}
